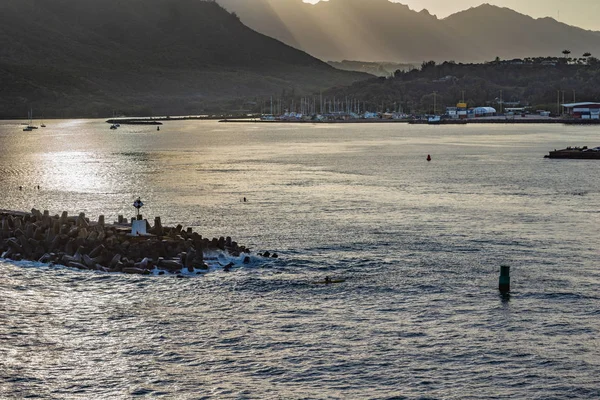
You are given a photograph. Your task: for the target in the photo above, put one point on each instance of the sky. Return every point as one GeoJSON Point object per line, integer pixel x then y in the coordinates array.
{"type": "Point", "coordinates": [582, 13]}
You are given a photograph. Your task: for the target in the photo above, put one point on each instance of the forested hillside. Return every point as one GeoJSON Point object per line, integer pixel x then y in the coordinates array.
{"type": "Point", "coordinates": [90, 57]}
{"type": "Point", "coordinates": [538, 83]}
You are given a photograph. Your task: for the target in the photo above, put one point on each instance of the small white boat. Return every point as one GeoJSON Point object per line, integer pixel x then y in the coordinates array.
{"type": "Point", "coordinates": [435, 119]}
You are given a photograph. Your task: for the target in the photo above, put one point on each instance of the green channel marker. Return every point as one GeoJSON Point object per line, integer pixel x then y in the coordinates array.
{"type": "Point", "coordinates": [504, 284]}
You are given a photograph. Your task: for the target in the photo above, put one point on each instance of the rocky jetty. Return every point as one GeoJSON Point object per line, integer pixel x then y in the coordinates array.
{"type": "Point", "coordinates": [77, 242]}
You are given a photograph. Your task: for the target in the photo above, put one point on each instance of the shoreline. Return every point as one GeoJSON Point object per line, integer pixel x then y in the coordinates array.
{"type": "Point", "coordinates": [424, 122]}
{"type": "Point", "coordinates": [157, 120]}
{"type": "Point", "coordinates": [77, 242]}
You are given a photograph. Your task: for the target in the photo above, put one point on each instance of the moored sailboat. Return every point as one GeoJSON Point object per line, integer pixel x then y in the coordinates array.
{"type": "Point", "coordinates": [30, 126]}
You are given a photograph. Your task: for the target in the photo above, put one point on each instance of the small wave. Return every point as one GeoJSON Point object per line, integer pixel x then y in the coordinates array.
{"type": "Point", "coordinates": [578, 193]}
{"type": "Point", "coordinates": [216, 261]}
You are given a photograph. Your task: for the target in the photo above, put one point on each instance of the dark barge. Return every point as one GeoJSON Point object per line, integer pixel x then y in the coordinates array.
{"type": "Point", "coordinates": [577, 153]}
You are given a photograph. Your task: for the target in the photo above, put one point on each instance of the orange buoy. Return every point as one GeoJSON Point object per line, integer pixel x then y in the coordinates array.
{"type": "Point", "coordinates": [428, 157]}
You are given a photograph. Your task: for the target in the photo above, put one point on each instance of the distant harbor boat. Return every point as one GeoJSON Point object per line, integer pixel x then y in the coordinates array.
{"type": "Point", "coordinates": [434, 120]}
{"type": "Point", "coordinates": [30, 126]}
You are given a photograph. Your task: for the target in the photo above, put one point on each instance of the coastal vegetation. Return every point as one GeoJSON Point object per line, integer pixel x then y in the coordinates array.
{"type": "Point", "coordinates": [539, 83]}
{"type": "Point", "coordinates": [373, 68]}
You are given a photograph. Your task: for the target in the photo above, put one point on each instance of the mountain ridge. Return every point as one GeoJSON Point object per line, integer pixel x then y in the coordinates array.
{"type": "Point", "coordinates": [339, 30]}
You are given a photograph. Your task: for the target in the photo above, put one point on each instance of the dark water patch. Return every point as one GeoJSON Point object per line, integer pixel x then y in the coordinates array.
{"type": "Point", "coordinates": [577, 193]}
{"type": "Point", "coordinates": [268, 371]}
{"type": "Point", "coordinates": [142, 392]}
{"type": "Point", "coordinates": [559, 296]}
{"type": "Point", "coordinates": [139, 156]}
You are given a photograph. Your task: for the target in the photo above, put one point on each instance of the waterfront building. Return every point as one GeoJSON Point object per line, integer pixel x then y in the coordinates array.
{"type": "Point", "coordinates": [481, 112]}
{"type": "Point", "coordinates": [461, 110]}
{"type": "Point", "coordinates": [458, 112]}
{"type": "Point", "coordinates": [452, 112]}
{"type": "Point", "coordinates": [586, 110]}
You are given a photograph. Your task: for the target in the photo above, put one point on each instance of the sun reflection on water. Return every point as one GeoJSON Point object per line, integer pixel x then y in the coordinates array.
{"type": "Point", "coordinates": [66, 171]}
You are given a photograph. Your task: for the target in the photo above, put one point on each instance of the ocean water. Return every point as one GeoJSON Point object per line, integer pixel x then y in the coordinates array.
{"type": "Point", "coordinates": [419, 245]}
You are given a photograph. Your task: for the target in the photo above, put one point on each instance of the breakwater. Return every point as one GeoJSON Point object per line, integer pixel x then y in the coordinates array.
{"type": "Point", "coordinates": [133, 247]}
{"type": "Point", "coordinates": [576, 153]}
{"type": "Point", "coordinates": [156, 120]}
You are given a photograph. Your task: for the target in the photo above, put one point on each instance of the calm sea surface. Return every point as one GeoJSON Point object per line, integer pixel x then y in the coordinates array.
{"type": "Point", "coordinates": [419, 244]}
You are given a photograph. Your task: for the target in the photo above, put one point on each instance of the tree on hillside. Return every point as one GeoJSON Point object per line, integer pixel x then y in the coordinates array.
{"type": "Point", "coordinates": [566, 52]}
{"type": "Point", "coordinates": [427, 64]}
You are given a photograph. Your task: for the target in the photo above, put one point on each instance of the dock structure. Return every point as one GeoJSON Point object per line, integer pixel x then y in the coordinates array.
{"type": "Point", "coordinates": [77, 242]}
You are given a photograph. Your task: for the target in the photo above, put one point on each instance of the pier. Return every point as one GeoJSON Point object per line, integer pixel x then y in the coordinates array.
{"type": "Point", "coordinates": [157, 120]}
{"type": "Point", "coordinates": [133, 247]}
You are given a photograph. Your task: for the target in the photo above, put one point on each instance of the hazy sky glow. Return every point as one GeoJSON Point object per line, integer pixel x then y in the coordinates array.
{"type": "Point", "coordinates": [583, 13]}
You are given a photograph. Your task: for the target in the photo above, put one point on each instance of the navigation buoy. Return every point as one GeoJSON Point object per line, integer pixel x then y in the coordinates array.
{"type": "Point", "coordinates": [138, 204]}
{"type": "Point", "coordinates": [504, 283]}
{"type": "Point", "coordinates": [428, 157]}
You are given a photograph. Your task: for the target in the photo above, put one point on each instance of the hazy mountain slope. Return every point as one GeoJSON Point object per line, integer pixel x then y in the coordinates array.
{"type": "Point", "coordinates": [76, 56]}
{"type": "Point", "coordinates": [348, 29]}
{"type": "Point", "coordinates": [509, 34]}
{"type": "Point", "coordinates": [378, 30]}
